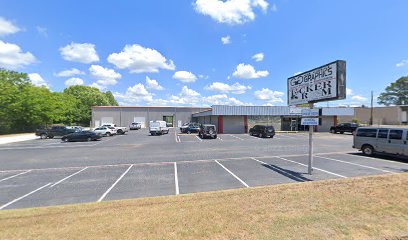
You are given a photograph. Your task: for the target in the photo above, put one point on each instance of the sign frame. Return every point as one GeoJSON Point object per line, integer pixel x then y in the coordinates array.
{"type": "Point", "coordinates": [340, 87]}
{"type": "Point", "coordinates": [315, 112]}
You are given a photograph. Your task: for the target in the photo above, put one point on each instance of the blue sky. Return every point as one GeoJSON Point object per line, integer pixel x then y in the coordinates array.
{"type": "Point", "coordinates": [204, 52]}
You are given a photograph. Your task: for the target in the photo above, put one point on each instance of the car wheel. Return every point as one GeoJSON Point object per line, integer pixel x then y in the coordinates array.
{"type": "Point", "coordinates": [119, 131]}
{"type": "Point", "coordinates": [341, 132]}
{"type": "Point", "coordinates": [65, 139]}
{"type": "Point", "coordinates": [89, 139]}
{"type": "Point", "coordinates": [332, 131]}
{"type": "Point", "coordinates": [260, 135]}
{"type": "Point", "coordinates": [188, 132]}
{"type": "Point", "coordinates": [51, 136]}
{"type": "Point", "coordinates": [215, 136]}
{"type": "Point", "coordinates": [108, 134]}
{"type": "Point", "coordinates": [43, 136]}
{"type": "Point", "coordinates": [368, 150]}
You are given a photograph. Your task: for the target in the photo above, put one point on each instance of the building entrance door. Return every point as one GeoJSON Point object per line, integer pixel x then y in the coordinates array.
{"type": "Point", "coordinates": [168, 120]}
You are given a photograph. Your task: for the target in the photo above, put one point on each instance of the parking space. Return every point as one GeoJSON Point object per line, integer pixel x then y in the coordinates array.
{"type": "Point", "coordinates": [48, 172]}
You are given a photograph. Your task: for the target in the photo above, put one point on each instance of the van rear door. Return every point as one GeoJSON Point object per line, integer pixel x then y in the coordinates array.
{"type": "Point", "coordinates": [395, 142]}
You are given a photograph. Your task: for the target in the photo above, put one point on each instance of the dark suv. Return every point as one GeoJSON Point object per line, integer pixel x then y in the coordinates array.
{"type": "Point", "coordinates": [262, 131]}
{"type": "Point", "coordinates": [191, 128]}
{"type": "Point", "coordinates": [344, 127]}
{"type": "Point", "coordinates": [207, 130]}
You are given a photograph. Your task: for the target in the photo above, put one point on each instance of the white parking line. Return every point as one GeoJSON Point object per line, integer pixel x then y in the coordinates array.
{"type": "Point", "coordinates": [220, 138]}
{"type": "Point", "coordinates": [356, 164]}
{"type": "Point", "coordinates": [296, 177]}
{"type": "Point", "coordinates": [113, 185]}
{"type": "Point", "coordinates": [199, 138]}
{"type": "Point", "coordinates": [60, 181]}
{"type": "Point", "coordinates": [161, 163]}
{"type": "Point", "coordinates": [236, 137]}
{"type": "Point", "coordinates": [24, 196]}
{"type": "Point", "coordinates": [319, 169]}
{"type": "Point", "coordinates": [235, 176]}
{"type": "Point", "coordinates": [7, 178]}
{"type": "Point", "coordinates": [176, 179]}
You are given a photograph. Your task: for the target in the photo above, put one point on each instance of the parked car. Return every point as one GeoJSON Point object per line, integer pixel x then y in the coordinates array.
{"type": "Point", "coordinates": [344, 127]}
{"type": "Point", "coordinates": [54, 131]}
{"type": "Point", "coordinates": [105, 131]}
{"type": "Point", "coordinates": [119, 130]}
{"type": "Point", "coordinates": [191, 128]}
{"type": "Point", "coordinates": [135, 126]}
{"type": "Point", "coordinates": [386, 140]}
{"type": "Point", "coordinates": [158, 128]}
{"type": "Point", "coordinates": [81, 136]}
{"type": "Point", "coordinates": [207, 130]}
{"type": "Point", "coordinates": [262, 131]}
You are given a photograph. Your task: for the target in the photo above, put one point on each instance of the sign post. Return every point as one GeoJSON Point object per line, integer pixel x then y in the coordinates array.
{"type": "Point", "coordinates": [310, 163]}
{"type": "Point", "coordinates": [325, 83]}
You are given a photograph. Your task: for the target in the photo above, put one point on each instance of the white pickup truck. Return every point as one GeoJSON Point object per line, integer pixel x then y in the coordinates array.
{"type": "Point", "coordinates": [158, 128]}
{"type": "Point", "coordinates": [119, 130]}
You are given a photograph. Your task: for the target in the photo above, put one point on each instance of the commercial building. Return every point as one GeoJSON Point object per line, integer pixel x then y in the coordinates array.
{"type": "Point", "coordinates": [124, 116]}
{"type": "Point", "coordinates": [228, 119]}
{"type": "Point", "coordinates": [393, 115]}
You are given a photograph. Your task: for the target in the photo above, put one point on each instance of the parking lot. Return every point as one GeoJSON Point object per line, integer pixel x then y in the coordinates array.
{"type": "Point", "coordinates": [49, 172]}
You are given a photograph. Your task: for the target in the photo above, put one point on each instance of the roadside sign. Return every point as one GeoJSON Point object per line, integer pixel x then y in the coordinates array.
{"type": "Point", "coordinates": [310, 112]}
{"type": "Point", "coordinates": [310, 121]}
{"type": "Point", "coordinates": [324, 83]}
{"type": "Point", "coordinates": [295, 111]}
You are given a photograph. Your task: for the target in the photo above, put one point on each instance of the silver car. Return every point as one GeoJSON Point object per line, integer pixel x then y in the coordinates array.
{"type": "Point", "coordinates": [388, 140]}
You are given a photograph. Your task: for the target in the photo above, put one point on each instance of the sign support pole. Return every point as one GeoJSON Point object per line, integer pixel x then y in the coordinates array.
{"type": "Point", "coordinates": [310, 164]}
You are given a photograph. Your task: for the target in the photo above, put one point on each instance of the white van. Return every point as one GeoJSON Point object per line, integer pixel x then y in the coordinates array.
{"type": "Point", "coordinates": [388, 140]}
{"type": "Point", "coordinates": [158, 127]}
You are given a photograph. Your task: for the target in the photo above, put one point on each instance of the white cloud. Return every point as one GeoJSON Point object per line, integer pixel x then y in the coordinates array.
{"type": "Point", "coordinates": [139, 60]}
{"type": "Point", "coordinates": [203, 76]}
{"type": "Point", "coordinates": [248, 72]}
{"type": "Point", "coordinates": [402, 63]}
{"type": "Point", "coordinates": [349, 92]}
{"type": "Point", "coordinates": [262, 4]}
{"type": "Point", "coordinates": [69, 73]}
{"type": "Point", "coordinates": [73, 82]}
{"type": "Point", "coordinates": [258, 57]}
{"type": "Point", "coordinates": [274, 8]}
{"type": "Point", "coordinates": [222, 99]}
{"type": "Point", "coordinates": [235, 88]}
{"type": "Point", "coordinates": [269, 96]}
{"type": "Point", "coordinates": [153, 84]}
{"type": "Point", "coordinates": [136, 94]}
{"type": "Point", "coordinates": [79, 52]}
{"type": "Point", "coordinates": [7, 27]}
{"type": "Point", "coordinates": [226, 40]}
{"type": "Point", "coordinates": [187, 96]}
{"type": "Point", "coordinates": [37, 80]}
{"type": "Point", "coordinates": [104, 76]}
{"type": "Point", "coordinates": [185, 77]}
{"type": "Point", "coordinates": [230, 11]}
{"type": "Point", "coordinates": [98, 86]}
{"type": "Point", "coordinates": [12, 57]}
{"type": "Point", "coordinates": [359, 98]}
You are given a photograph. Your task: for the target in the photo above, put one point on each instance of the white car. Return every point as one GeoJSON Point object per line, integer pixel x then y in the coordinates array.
{"type": "Point", "coordinates": [158, 128]}
{"type": "Point", "coordinates": [135, 126]}
{"type": "Point", "coordinates": [119, 130]}
{"type": "Point", "coordinates": [105, 131]}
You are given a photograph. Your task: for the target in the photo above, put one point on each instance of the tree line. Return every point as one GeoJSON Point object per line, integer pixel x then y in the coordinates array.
{"type": "Point", "coordinates": [24, 106]}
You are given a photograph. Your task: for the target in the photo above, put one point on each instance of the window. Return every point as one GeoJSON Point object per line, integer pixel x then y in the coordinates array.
{"type": "Point", "coordinates": [396, 134]}
{"type": "Point", "coordinates": [367, 132]}
{"type": "Point", "coordinates": [383, 133]}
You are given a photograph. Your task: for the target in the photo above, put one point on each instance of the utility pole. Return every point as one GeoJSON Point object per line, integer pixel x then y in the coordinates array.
{"type": "Point", "coordinates": [372, 109]}
{"type": "Point", "coordinates": [310, 163]}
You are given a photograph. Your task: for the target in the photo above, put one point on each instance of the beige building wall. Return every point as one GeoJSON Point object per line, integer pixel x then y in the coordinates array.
{"type": "Point", "coordinates": [381, 116]}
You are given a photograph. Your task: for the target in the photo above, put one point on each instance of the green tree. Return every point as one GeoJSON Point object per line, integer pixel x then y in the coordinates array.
{"type": "Point", "coordinates": [87, 97]}
{"type": "Point", "coordinates": [111, 99]}
{"type": "Point", "coordinates": [396, 93]}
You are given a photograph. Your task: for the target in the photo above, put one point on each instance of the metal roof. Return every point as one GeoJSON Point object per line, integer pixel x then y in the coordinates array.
{"type": "Point", "coordinates": [225, 110]}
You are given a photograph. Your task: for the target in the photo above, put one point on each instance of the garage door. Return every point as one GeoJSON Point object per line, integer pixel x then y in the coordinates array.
{"type": "Point", "coordinates": [234, 124]}
{"type": "Point", "coordinates": [141, 120]}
